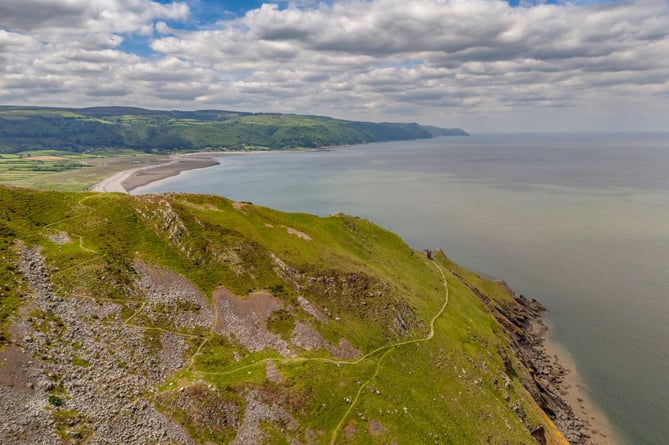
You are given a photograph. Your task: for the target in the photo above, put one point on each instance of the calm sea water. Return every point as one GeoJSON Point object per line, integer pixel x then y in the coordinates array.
{"type": "Point", "coordinates": [580, 222]}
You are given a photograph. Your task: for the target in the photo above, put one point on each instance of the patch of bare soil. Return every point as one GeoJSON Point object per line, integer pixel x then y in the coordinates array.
{"type": "Point", "coordinates": [307, 337]}
{"type": "Point", "coordinates": [23, 407]}
{"type": "Point", "coordinates": [298, 234]}
{"type": "Point", "coordinates": [172, 294]}
{"type": "Point", "coordinates": [257, 413]}
{"type": "Point", "coordinates": [347, 351]}
{"type": "Point", "coordinates": [44, 158]}
{"type": "Point", "coordinates": [240, 206]}
{"type": "Point", "coordinates": [59, 237]}
{"type": "Point", "coordinates": [246, 320]}
{"type": "Point", "coordinates": [375, 428]}
{"type": "Point", "coordinates": [271, 373]}
{"type": "Point", "coordinates": [350, 430]}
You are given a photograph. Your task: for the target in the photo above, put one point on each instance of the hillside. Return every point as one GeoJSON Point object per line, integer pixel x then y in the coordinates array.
{"type": "Point", "coordinates": [199, 320]}
{"type": "Point", "coordinates": [95, 129]}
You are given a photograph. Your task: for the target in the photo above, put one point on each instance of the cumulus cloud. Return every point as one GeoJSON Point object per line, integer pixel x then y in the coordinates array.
{"type": "Point", "coordinates": [374, 59]}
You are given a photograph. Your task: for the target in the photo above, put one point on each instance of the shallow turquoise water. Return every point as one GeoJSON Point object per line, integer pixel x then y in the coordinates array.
{"type": "Point", "coordinates": [580, 222]}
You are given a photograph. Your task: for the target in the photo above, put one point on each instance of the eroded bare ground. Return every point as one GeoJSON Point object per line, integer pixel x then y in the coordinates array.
{"type": "Point", "coordinates": [259, 410]}
{"type": "Point", "coordinates": [22, 403]}
{"type": "Point", "coordinates": [172, 294]}
{"type": "Point", "coordinates": [85, 370]}
{"type": "Point", "coordinates": [78, 372]}
{"type": "Point", "coordinates": [245, 319]}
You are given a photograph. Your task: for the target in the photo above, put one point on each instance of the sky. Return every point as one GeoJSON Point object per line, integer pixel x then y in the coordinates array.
{"type": "Point", "coordinates": [483, 65]}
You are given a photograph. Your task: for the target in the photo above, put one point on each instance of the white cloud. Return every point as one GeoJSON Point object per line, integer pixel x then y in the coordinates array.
{"type": "Point", "coordinates": [378, 59]}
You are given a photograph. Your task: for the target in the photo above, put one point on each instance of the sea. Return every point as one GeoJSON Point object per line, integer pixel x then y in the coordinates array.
{"type": "Point", "coordinates": [578, 221]}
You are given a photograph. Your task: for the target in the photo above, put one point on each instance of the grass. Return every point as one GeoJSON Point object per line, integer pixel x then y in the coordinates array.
{"type": "Point", "coordinates": [451, 388]}
{"type": "Point", "coordinates": [72, 172]}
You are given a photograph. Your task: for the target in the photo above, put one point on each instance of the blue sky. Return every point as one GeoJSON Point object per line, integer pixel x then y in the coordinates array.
{"type": "Point", "coordinates": [485, 65]}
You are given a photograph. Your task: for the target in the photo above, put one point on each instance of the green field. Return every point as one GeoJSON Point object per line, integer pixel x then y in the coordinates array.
{"type": "Point", "coordinates": [68, 171]}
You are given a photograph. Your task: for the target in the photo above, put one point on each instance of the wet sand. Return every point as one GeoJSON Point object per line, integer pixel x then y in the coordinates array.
{"type": "Point", "coordinates": [574, 392]}
{"type": "Point", "coordinates": [570, 385]}
{"type": "Point", "coordinates": [128, 180]}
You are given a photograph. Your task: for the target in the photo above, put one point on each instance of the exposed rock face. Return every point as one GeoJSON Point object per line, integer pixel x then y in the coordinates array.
{"type": "Point", "coordinates": [257, 412]}
{"type": "Point", "coordinates": [165, 220]}
{"type": "Point", "coordinates": [355, 292]}
{"type": "Point", "coordinates": [246, 320]}
{"type": "Point", "coordinates": [93, 368]}
{"type": "Point", "coordinates": [298, 234]}
{"type": "Point", "coordinates": [204, 408]}
{"type": "Point", "coordinates": [545, 378]}
{"type": "Point", "coordinates": [58, 237]}
{"type": "Point", "coordinates": [307, 337]}
{"type": "Point", "coordinates": [310, 309]}
{"type": "Point", "coordinates": [541, 374]}
{"type": "Point", "coordinates": [171, 294]}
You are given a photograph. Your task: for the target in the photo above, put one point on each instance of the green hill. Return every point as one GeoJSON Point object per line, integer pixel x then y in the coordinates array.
{"type": "Point", "coordinates": [101, 128]}
{"type": "Point", "coordinates": [194, 319]}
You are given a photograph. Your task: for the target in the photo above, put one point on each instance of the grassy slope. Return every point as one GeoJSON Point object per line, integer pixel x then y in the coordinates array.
{"type": "Point", "coordinates": [449, 389]}
{"type": "Point", "coordinates": [93, 129]}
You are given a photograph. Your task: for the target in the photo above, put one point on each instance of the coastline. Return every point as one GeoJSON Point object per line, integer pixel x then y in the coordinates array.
{"type": "Point", "coordinates": [574, 392]}
{"type": "Point", "coordinates": [549, 373]}
{"type": "Point", "coordinates": [554, 379]}
{"type": "Point", "coordinates": [128, 180]}
{"type": "Point", "coordinates": [552, 376]}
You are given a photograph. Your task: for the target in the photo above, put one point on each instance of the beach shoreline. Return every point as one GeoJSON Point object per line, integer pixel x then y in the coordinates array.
{"type": "Point", "coordinates": [551, 376]}
{"type": "Point", "coordinates": [574, 391]}
{"type": "Point", "coordinates": [555, 374]}
{"type": "Point", "coordinates": [553, 370]}
{"type": "Point", "coordinates": [127, 180]}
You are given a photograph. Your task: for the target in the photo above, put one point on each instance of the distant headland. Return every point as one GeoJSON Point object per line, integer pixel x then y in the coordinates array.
{"type": "Point", "coordinates": [103, 128]}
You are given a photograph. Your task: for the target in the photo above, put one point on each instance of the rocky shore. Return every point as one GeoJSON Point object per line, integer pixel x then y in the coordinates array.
{"type": "Point", "coordinates": [547, 376]}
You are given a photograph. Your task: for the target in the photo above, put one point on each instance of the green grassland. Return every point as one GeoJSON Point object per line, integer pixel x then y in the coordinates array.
{"type": "Point", "coordinates": [68, 171]}
{"type": "Point", "coordinates": [95, 129]}
{"type": "Point", "coordinates": [454, 385]}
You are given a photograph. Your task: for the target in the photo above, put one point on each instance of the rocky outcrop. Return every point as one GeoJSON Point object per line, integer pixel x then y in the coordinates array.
{"type": "Point", "coordinates": [246, 321]}
{"type": "Point", "coordinates": [87, 373]}
{"type": "Point", "coordinates": [260, 411]}
{"type": "Point", "coordinates": [545, 377]}
{"type": "Point", "coordinates": [172, 295]}
{"type": "Point", "coordinates": [542, 375]}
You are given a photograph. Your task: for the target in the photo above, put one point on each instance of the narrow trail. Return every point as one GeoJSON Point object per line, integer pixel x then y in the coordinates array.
{"type": "Point", "coordinates": [208, 338]}
{"type": "Point", "coordinates": [84, 248]}
{"type": "Point", "coordinates": [386, 349]}
{"type": "Point", "coordinates": [333, 439]}
{"type": "Point", "coordinates": [77, 265]}
{"type": "Point", "coordinates": [75, 216]}
{"type": "Point", "coordinates": [390, 348]}
{"type": "Point", "coordinates": [136, 313]}
{"type": "Point", "coordinates": [289, 360]}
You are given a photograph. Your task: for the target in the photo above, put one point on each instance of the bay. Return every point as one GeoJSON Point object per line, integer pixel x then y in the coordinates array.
{"type": "Point", "coordinates": [578, 221]}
